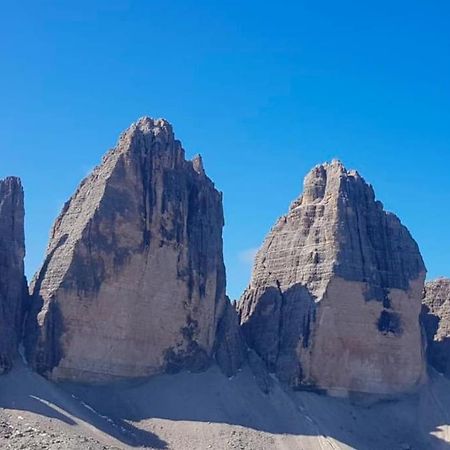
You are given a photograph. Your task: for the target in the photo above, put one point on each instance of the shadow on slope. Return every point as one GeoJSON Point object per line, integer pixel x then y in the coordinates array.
{"type": "Point", "coordinates": [416, 421]}
{"type": "Point", "coordinates": [24, 390]}
{"type": "Point", "coordinates": [127, 411]}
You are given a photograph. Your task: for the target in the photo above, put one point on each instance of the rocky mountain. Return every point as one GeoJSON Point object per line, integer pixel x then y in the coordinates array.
{"type": "Point", "coordinates": [335, 295]}
{"type": "Point", "coordinates": [133, 282]}
{"type": "Point", "coordinates": [436, 321]}
{"type": "Point", "coordinates": [13, 288]}
{"type": "Point", "coordinates": [133, 285]}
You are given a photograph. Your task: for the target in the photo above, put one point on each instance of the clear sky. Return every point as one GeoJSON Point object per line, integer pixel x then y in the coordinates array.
{"type": "Point", "coordinates": [264, 91]}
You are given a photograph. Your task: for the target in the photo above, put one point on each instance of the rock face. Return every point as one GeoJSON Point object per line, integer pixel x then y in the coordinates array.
{"type": "Point", "coordinates": [133, 283]}
{"type": "Point", "coordinates": [335, 294]}
{"type": "Point", "coordinates": [436, 321]}
{"type": "Point", "coordinates": [13, 286]}
{"type": "Point", "coordinates": [230, 351]}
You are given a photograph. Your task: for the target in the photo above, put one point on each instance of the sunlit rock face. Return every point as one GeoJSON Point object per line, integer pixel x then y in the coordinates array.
{"type": "Point", "coordinates": [133, 282]}
{"type": "Point", "coordinates": [13, 287]}
{"type": "Point", "coordinates": [436, 321]}
{"type": "Point", "coordinates": [335, 294]}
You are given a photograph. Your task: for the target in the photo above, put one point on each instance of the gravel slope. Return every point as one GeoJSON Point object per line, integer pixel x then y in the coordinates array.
{"type": "Point", "coordinates": [209, 411]}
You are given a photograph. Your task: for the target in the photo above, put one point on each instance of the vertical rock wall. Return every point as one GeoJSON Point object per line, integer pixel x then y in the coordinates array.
{"type": "Point", "coordinates": [13, 288]}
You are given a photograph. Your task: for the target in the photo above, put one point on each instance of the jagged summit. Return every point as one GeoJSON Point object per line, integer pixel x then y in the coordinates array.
{"type": "Point", "coordinates": [161, 135]}
{"type": "Point", "coordinates": [11, 181]}
{"type": "Point", "coordinates": [146, 123]}
{"type": "Point", "coordinates": [156, 126]}
{"type": "Point", "coordinates": [197, 164]}
{"type": "Point", "coordinates": [327, 177]}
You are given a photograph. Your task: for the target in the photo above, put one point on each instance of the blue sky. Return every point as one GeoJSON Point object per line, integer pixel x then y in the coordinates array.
{"type": "Point", "coordinates": [263, 91]}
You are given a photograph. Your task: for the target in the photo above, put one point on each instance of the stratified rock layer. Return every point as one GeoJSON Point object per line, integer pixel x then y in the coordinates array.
{"type": "Point", "coordinates": [133, 283]}
{"type": "Point", "coordinates": [13, 286]}
{"type": "Point", "coordinates": [436, 321]}
{"type": "Point", "coordinates": [335, 294]}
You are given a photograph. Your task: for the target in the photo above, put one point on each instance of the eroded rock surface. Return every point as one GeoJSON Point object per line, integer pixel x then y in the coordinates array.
{"type": "Point", "coordinates": [436, 321]}
{"type": "Point", "coordinates": [336, 289]}
{"type": "Point", "coordinates": [13, 286]}
{"type": "Point", "coordinates": [133, 283]}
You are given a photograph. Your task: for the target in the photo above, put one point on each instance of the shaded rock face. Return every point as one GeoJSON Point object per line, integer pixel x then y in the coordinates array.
{"type": "Point", "coordinates": [13, 286]}
{"type": "Point", "coordinates": [230, 350]}
{"type": "Point", "coordinates": [336, 289]}
{"type": "Point", "coordinates": [436, 320]}
{"type": "Point", "coordinates": [133, 282]}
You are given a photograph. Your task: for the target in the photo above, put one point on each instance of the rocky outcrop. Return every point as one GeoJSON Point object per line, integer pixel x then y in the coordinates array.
{"type": "Point", "coordinates": [436, 320]}
{"type": "Point", "coordinates": [133, 282]}
{"type": "Point", "coordinates": [336, 289]}
{"type": "Point", "coordinates": [13, 286]}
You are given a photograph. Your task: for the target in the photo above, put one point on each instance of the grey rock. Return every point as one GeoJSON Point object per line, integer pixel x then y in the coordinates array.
{"type": "Point", "coordinates": [13, 286]}
{"type": "Point", "coordinates": [260, 372]}
{"type": "Point", "coordinates": [133, 283]}
{"type": "Point", "coordinates": [335, 294]}
{"type": "Point", "coordinates": [436, 320]}
{"type": "Point", "coordinates": [230, 351]}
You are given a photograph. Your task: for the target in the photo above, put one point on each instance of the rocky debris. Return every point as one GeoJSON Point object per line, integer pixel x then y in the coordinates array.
{"type": "Point", "coordinates": [335, 295]}
{"type": "Point", "coordinates": [133, 283]}
{"type": "Point", "coordinates": [33, 437]}
{"type": "Point", "coordinates": [13, 286]}
{"type": "Point", "coordinates": [436, 320]}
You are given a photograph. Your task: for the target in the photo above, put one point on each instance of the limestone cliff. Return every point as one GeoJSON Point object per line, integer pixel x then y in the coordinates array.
{"type": "Point", "coordinates": [133, 282]}
{"type": "Point", "coordinates": [436, 321]}
{"type": "Point", "coordinates": [335, 294]}
{"type": "Point", "coordinates": [13, 288]}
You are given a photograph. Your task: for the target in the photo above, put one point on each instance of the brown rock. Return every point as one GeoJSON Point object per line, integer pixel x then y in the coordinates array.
{"type": "Point", "coordinates": [133, 283]}
{"type": "Point", "coordinates": [335, 294]}
{"type": "Point", "coordinates": [13, 286]}
{"type": "Point", "coordinates": [436, 320]}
